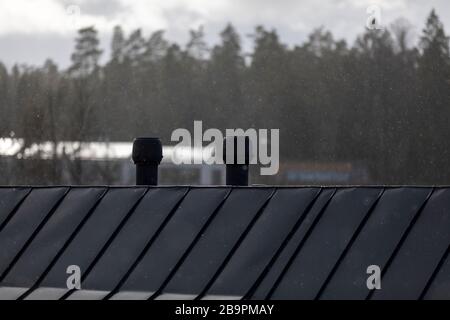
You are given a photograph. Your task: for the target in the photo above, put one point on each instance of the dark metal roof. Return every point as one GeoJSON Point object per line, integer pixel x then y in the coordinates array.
{"type": "Point", "coordinates": [215, 242]}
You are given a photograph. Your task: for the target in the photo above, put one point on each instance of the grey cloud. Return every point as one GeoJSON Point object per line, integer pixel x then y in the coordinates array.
{"type": "Point", "coordinates": [35, 49]}
{"type": "Point", "coordinates": [105, 8]}
{"type": "Point", "coordinates": [293, 20]}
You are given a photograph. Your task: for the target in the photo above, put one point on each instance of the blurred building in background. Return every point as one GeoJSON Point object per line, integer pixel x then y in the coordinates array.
{"type": "Point", "coordinates": [110, 163]}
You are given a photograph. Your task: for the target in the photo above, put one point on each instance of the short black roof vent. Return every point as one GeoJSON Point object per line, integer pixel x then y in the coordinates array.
{"type": "Point", "coordinates": [147, 155]}
{"type": "Point", "coordinates": [237, 163]}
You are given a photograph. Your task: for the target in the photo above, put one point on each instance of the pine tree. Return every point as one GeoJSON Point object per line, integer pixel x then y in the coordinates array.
{"type": "Point", "coordinates": [134, 48]}
{"type": "Point", "coordinates": [225, 75]}
{"type": "Point", "coordinates": [266, 82]}
{"type": "Point", "coordinates": [82, 113]}
{"type": "Point", "coordinates": [5, 125]}
{"type": "Point", "coordinates": [434, 100]}
{"type": "Point", "coordinates": [87, 53]}
{"type": "Point", "coordinates": [117, 45]}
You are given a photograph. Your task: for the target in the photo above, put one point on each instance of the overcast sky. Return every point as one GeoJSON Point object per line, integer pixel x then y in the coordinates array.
{"type": "Point", "coordinates": [33, 30]}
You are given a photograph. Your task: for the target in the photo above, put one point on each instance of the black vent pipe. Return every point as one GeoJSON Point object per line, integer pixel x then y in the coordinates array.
{"type": "Point", "coordinates": [147, 155]}
{"type": "Point", "coordinates": [237, 173]}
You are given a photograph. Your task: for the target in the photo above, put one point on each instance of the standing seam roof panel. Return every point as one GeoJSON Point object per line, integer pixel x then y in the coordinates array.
{"type": "Point", "coordinates": [10, 198]}
{"type": "Point", "coordinates": [327, 241]}
{"type": "Point", "coordinates": [376, 242]}
{"type": "Point", "coordinates": [215, 242]}
{"type": "Point", "coordinates": [38, 205]}
{"type": "Point", "coordinates": [192, 214]}
{"type": "Point", "coordinates": [263, 241]}
{"type": "Point", "coordinates": [51, 238]}
{"type": "Point", "coordinates": [440, 286]}
{"type": "Point", "coordinates": [419, 255]}
{"type": "Point", "coordinates": [141, 227]}
{"type": "Point", "coordinates": [287, 253]}
{"type": "Point", "coordinates": [95, 233]}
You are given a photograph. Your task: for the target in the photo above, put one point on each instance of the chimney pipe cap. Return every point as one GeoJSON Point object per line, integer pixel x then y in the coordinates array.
{"type": "Point", "coordinates": [147, 151]}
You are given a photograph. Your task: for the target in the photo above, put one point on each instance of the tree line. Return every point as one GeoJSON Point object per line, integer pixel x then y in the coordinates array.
{"type": "Point", "coordinates": [380, 101]}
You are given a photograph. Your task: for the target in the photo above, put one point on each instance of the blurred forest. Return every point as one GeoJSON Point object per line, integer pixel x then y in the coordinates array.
{"type": "Point", "coordinates": [383, 101]}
